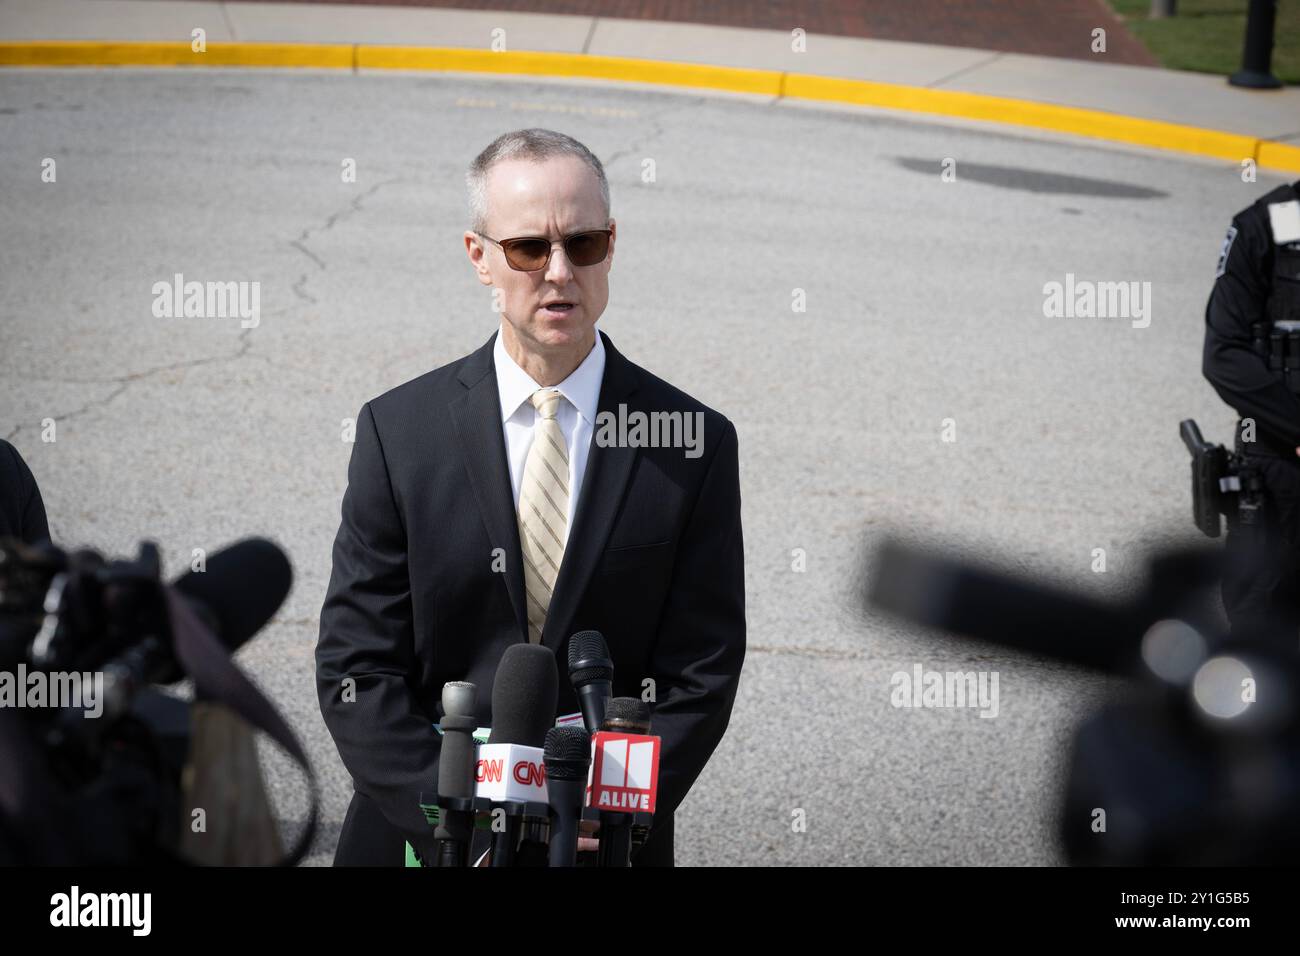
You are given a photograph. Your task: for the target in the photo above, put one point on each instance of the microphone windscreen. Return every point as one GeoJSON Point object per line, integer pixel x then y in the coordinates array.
{"type": "Point", "coordinates": [589, 658]}
{"type": "Point", "coordinates": [241, 589]}
{"type": "Point", "coordinates": [458, 698]}
{"type": "Point", "coordinates": [456, 760]}
{"type": "Point", "coordinates": [941, 592]}
{"type": "Point", "coordinates": [628, 711]}
{"type": "Point", "coordinates": [567, 753]}
{"type": "Point", "coordinates": [524, 695]}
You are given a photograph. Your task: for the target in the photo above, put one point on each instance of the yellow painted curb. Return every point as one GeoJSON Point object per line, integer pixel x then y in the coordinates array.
{"type": "Point", "coordinates": [1069, 119]}
{"type": "Point", "coordinates": [110, 53]}
{"type": "Point", "coordinates": [766, 82]}
{"type": "Point", "coordinates": [1095, 124]}
{"type": "Point", "coordinates": [1278, 156]}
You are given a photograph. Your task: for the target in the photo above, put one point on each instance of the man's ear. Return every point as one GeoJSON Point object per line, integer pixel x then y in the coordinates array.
{"type": "Point", "coordinates": [477, 252]}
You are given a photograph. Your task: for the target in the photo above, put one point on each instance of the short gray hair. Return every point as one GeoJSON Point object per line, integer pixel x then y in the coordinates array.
{"type": "Point", "coordinates": [532, 144]}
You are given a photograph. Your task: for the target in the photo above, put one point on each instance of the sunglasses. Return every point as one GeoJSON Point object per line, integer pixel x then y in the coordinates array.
{"type": "Point", "coordinates": [531, 253]}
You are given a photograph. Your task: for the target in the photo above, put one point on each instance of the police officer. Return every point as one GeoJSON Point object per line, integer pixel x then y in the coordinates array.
{"type": "Point", "coordinates": [1252, 358]}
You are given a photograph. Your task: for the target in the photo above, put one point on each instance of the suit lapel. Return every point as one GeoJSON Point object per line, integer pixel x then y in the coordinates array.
{"type": "Point", "coordinates": [477, 419]}
{"type": "Point", "coordinates": [603, 484]}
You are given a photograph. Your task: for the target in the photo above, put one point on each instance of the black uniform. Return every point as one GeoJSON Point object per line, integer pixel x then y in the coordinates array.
{"type": "Point", "coordinates": [1247, 358]}
{"type": "Point", "coordinates": [22, 512]}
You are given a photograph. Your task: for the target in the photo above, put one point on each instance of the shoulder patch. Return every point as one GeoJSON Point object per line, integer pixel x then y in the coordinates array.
{"type": "Point", "coordinates": [1285, 219]}
{"type": "Point", "coordinates": [1223, 253]}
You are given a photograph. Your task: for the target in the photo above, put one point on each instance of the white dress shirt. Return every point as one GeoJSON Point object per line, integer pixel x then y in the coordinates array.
{"type": "Point", "coordinates": [576, 415]}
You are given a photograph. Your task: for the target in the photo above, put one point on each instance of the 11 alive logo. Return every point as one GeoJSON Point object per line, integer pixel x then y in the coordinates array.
{"type": "Point", "coordinates": [624, 772]}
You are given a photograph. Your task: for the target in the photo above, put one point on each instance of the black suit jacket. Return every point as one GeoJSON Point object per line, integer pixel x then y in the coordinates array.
{"type": "Point", "coordinates": [22, 512]}
{"type": "Point", "coordinates": [654, 561]}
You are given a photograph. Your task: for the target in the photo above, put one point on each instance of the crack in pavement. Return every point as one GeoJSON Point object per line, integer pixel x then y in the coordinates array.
{"type": "Point", "coordinates": [126, 381]}
{"type": "Point", "coordinates": [300, 292]}
{"type": "Point", "coordinates": [934, 84]}
{"type": "Point", "coordinates": [297, 244]}
{"type": "Point", "coordinates": [354, 206]}
{"type": "Point", "coordinates": [245, 340]}
{"type": "Point", "coordinates": [656, 131]}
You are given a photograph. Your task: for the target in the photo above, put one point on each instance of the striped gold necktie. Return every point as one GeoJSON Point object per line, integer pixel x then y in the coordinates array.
{"type": "Point", "coordinates": [543, 509]}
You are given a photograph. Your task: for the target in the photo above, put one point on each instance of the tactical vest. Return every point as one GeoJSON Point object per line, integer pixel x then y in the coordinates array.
{"type": "Point", "coordinates": [1277, 339]}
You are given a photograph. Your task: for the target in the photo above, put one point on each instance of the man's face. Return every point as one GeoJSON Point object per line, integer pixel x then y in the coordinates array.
{"type": "Point", "coordinates": [554, 198]}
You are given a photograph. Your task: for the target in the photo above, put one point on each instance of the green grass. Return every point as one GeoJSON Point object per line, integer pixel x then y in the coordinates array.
{"type": "Point", "coordinates": [1207, 35]}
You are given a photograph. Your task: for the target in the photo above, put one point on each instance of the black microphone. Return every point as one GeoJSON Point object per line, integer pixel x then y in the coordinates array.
{"type": "Point", "coordinates": [242, 588]}
{"type": "Point", "coordinates": [933, 590]}
{"type": "Point", "coordinates": [627, 715]}
{"type": "Point", "coordinates": [524, 695]}
{"type": "Point", "coordinates": [624, 715]}
{"type": "Point", "coordinates": [456, 774]}
{"type": "Point", "coordinates": [592, 674]}
{"type": "Point", "coordinates": [567, 758]}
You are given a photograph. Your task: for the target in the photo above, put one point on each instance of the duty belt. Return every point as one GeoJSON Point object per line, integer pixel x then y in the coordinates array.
{"type": "Point", "coordinates": [1263, 444]}
{"type": "Point", "coordinates": [1278, 344]}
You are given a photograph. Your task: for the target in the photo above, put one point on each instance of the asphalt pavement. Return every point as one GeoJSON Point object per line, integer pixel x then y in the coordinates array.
{"type": "Point", "coordinates": [924, 322]}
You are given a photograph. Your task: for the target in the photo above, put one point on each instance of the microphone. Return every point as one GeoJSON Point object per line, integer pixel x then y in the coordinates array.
{"type": "Point", "coordinates": [627, 715]}
{"type": "Point", "coordinates": [591, 673]}
{"type": "Point", "coordinates": [625, 776]}
{"type": "Point", "coordinates": [242, 588]}
{"type": "Point", "coordinates": [456, 774]}
{"type": "Point", "coordinates": [937, 591]}
{"type": "Point", "coordinates": [567, 756]}
{"type": "Point", "coordinates": [510, 770]}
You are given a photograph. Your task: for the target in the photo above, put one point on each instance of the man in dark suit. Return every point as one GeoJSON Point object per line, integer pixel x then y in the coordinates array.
{"type": "Point", "coordinates": [489, 502]}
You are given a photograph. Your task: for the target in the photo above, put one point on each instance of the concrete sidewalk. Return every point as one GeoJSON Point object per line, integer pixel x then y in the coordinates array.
{"type": "Point", "coordinates": [1197, 101]}
{"type": "Point", "coordinates": [1040, 27]}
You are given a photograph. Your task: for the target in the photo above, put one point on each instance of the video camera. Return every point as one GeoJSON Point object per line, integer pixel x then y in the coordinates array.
{"type": "Point", "coordinates": [92, 749]}
{"type": "Point", "coordinates": [1199, 762]}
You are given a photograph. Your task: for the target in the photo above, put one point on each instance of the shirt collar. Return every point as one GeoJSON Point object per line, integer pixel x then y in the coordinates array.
{"type": "Point", "coordinates": [581, 388]}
